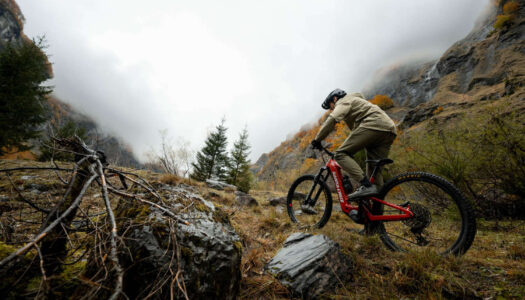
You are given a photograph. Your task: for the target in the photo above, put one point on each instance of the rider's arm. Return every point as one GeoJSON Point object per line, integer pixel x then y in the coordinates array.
{"type": "Point", "coordinates": [341, 110]}
{"type": "Point", "coordinates": [326, 128]}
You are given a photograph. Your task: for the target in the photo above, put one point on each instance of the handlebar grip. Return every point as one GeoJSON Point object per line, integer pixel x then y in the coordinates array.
{"type": "Point", "coordinates": [327, 151]}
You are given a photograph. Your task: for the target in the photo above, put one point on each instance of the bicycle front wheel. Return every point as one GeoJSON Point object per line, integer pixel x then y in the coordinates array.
{"type": "Point", "coordinates": [443, 219]}
{"type": "Point", "coordinates": [309, 211]}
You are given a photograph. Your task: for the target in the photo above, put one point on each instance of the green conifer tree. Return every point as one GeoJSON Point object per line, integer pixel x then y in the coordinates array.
{"type": "Point", "coordinates": [239, 173]}
{"type": "Point", "coordinates": [212, 160]}
{"type": "Point", "coordinates": [22, 97]}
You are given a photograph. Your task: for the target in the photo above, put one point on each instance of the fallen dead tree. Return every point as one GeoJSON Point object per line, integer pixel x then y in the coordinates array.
{"type": "Point", "coordinates": [106, 241]}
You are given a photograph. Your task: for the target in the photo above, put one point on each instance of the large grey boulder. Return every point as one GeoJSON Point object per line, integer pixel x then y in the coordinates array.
{"type": "Point", "coordinates": [310, 265]}
{"type": "Point", "coordinates": [202, 248]}
{"type": "Point", "coordinates": [219, 185]}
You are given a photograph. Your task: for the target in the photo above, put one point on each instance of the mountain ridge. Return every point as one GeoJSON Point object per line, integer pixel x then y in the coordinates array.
{"type": "Point", "coordinates": [487, 65]}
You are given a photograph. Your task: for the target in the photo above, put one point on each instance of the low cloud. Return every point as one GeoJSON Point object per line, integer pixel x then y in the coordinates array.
{"type": "Point", "coordinates": [138, 67]}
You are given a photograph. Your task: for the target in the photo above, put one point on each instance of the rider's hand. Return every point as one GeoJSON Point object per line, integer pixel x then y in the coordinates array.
{"type": "Point", "coordinates": [316, 145]}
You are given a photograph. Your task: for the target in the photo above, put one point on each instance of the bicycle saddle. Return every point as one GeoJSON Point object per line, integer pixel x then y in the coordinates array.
{"type": "Point", "coordinates": [379, 162]}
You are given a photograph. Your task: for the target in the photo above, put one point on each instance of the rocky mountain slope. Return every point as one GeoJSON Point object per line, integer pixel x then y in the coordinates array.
{"type": "Point", "coordinates": [11, 31]}
{"type": "Point", "coordinates": [488, 64]}
{"type": "Point", "coordinates": [117, 151]}
{"type": "Point", "coordinates": [11, 23]}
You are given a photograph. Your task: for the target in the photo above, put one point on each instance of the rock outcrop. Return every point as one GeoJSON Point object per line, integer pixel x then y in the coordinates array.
{"type": "Point", "coordinates": [487, 65]}
{"type": "Point", "coordinates": [11, 23]}
{"type": "Point", "coordinates": [263, 159]}
{"type": "Point", "coordinates": [219, 185]}
{"type": "Point", "coordinates": [11, 32]}
{"type": "Point", "coordinates": [205, 250]}
{"type": "Point", "coordinates": [277, 201]}
{"type": "Point", "coordinates": [310, 265]}
{"type": "Point", "coordinates": [244, 199]}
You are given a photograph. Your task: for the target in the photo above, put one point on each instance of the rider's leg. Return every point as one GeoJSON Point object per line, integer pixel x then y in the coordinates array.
{"type": "Point", "coordinates": [378, 150]}
{"type": "Point", "coordinates": [377, 141]}
{"type": "Point", "coordinates": [356, 141]}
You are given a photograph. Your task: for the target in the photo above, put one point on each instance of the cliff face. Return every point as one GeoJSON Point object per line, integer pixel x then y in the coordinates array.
{"type": "Point", "coordinates": [117, 151]}
{"type": "Point", "coordinates": [476, 67]}
{"type": "Point", "coordinates": [488, 64]}
{"type": "Point", "coordinates": [11, 23]}
{"type": "Point", "coordinates": [11, 32]}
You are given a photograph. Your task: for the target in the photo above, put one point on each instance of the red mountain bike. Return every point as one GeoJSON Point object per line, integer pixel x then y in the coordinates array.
{"type": "Point", "coordinates": [411, 210]}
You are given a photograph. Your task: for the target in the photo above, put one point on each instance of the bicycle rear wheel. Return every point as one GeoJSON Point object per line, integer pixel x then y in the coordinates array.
{"type": "Point", "coordinates": [320, 201]}
{"type": "Point", "coordinates": [443, 219]}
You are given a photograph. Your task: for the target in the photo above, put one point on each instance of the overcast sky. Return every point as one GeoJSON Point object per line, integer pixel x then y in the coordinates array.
{"type": "Point", "coordinates": [137, 67]}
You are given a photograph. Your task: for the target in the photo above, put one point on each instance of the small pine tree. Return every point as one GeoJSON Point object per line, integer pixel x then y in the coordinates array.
{"type": "Point", "coordinates": [239, 169]}
{"type": "Point", "coordinates": [22, 97]}
{"type": "Point", "coordinates": [212, 160]}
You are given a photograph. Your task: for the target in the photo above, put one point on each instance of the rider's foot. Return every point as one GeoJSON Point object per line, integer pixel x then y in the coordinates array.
{"type": "Point", "coordinates": [308, 209]}
{"type": "Point", "coordinates": [363, 191]}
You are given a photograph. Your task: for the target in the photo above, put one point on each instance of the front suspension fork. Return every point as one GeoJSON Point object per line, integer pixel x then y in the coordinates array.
{"type": "Point", "coordinates": [317, 179]}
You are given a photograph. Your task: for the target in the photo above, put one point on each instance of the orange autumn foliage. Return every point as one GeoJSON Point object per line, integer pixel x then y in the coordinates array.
{"type": "Point", "coordinates": [338, 136]}
{"type": "Point", "coordinates": [15, 154]}
{"type": "Point", "coordinates": [308, 164]}
{"type": "Point", "coordinates": [383, 101]}
{"type": "Point", "coordinates": [510, 7]}
{"type": "Point", "coordinates": [437, 110]}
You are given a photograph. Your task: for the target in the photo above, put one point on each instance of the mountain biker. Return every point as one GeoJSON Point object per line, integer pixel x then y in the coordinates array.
{"type": "Point", "coordinates": [372, 130]}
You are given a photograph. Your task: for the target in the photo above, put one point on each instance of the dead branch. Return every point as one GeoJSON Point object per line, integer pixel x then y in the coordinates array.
{"type": "Point", "coordinates": [113, 254]}
{"type": "Point", "coordinates": [56, 172]}
{"type": "Point", "coordinates": [145, 186]}
{"type": "Point", "coordinates": [51, 240]}
{"type": "Point", "coordinates": [165, 210]}
{"type": "Point", "coordinates": [43, 282]}
{"type": "Point", "coordinates": [21, 196]}
{"type": "Point", "coordinates": [35, 169]}
{"type": "Point", "coordinates": [48, 229]}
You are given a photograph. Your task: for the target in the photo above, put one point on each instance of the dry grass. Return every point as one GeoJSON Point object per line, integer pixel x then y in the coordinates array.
{"type": "Point", "coordinates": [493, 267]}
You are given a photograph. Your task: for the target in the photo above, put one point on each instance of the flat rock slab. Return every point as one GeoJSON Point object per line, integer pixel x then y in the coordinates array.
{"type": "Point", "coordinates": [277, 201]}
{"type": "Point", "coordinates": [310, 265]}
{"type": "Point", "coordinates": [244, 199]}
{"type": "Point", "coordinates": [219, 185]}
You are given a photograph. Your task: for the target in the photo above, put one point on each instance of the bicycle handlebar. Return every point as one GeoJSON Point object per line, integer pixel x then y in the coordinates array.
{"type": "Point", "coordinates": [331, 154]}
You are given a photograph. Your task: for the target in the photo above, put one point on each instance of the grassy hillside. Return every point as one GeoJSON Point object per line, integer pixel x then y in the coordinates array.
{"type": "Point", "coordinates": [460, 117]}
{"type": "Point", "coordinates": [492, 268]}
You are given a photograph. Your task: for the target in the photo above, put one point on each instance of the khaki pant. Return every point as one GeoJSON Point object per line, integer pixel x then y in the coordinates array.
{"type": "Point", "coordinates": [377, 145]}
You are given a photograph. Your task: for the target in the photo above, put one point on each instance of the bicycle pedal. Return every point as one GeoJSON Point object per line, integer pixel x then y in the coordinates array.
{"type": "Point", "coordinates": [406, 204]}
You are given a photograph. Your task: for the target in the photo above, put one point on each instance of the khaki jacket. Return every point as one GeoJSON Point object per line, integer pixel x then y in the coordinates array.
{"type": "Point", "coordinates": [355, 111]}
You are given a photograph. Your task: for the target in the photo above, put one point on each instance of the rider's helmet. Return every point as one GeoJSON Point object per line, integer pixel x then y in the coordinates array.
{"type": "Point", "coordinates": [339, 93]}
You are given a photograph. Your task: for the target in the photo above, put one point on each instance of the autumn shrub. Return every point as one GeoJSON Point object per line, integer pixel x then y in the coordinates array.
{"type": "Point", "coordinates": [437, 110]}
{"type": "Point", "coordinates": [483, 154]}
{"type": "Point", "coordinates": [383, 101]}
{"type": "Point", "coordinates": [502, 21]}
{"type": "Point", "coordinates": [170, 179]}
{"type": "Point", "coordinates": [510, 7]}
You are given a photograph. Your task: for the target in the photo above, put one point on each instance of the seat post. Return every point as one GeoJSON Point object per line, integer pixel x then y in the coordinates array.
{"type": "Point", "coordinates": [372, 176]}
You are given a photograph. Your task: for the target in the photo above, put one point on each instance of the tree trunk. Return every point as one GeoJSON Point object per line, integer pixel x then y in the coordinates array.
{"type": "Point", "coordinates": [54, 245]}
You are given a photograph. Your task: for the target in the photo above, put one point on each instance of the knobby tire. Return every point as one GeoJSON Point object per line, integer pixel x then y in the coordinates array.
{"type": "Point", "coordinates": [467, 232]}
{"type": "Point", "coordinates": [293, 203]}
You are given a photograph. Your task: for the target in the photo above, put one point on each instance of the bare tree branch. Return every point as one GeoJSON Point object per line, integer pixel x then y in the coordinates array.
{"type": "Point", "coordinates": [114, 235]}
{"type": "Point", "coordinates": [44, 232]}
{"type": "Point", "coordinates": [21, 197]}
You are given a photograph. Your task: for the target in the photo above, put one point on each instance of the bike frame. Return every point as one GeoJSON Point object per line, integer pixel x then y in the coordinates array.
{"type": "Point", "coordinates": [334, 170]}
